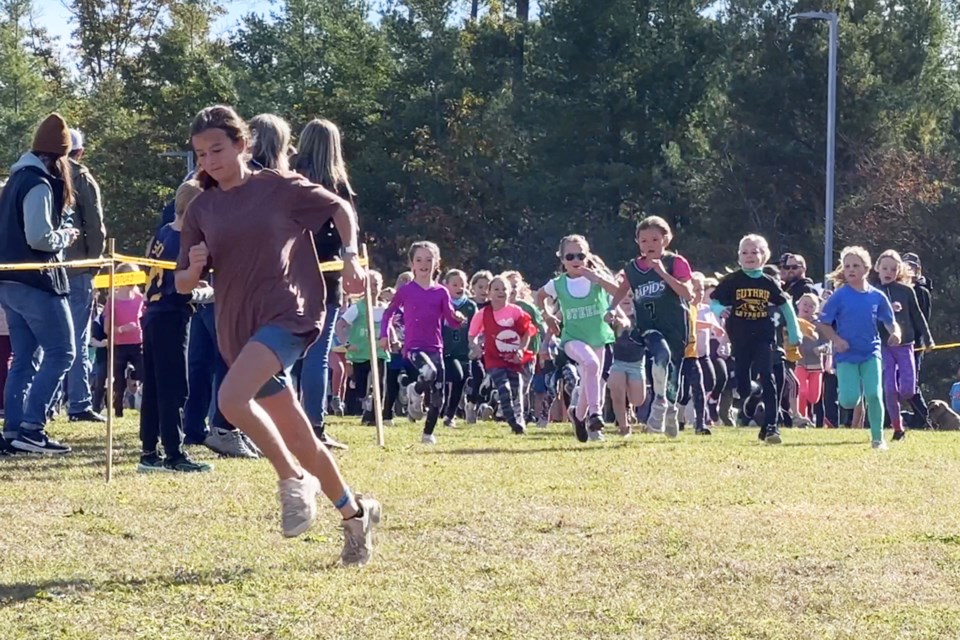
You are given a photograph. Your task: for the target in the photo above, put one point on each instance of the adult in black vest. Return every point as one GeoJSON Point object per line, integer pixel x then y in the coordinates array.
{"type": "Point", "coordinates": [321, 161]}
{"type": "Point", "coordinates": [33, 229]}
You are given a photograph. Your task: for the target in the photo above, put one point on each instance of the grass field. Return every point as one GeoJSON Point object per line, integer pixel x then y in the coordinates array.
{"type": "Point", "coordinates": [488, 535]}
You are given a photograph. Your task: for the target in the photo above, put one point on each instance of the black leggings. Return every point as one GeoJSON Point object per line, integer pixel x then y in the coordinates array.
{"type": "Point", "coordinates": [477, 374]}
{"type": "Point", "coordinates": [753, 360]}
{"type": "Point", "coordinates": [457, 371]}
{"type": "Point", "coordinates": [393, 390]}
{"type": "Point", "coordinates": [691, 380]}
{"type": "Point", "coordinates": [433, 387]}
{"type": "Point", "coordinates": [123, 355]}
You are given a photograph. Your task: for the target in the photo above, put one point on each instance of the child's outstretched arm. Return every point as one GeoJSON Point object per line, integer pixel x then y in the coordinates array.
{"type": "Point", "coordinates": [793, 326]}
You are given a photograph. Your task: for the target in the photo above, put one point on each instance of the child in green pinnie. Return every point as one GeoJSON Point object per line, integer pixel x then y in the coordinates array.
{"type": "Point", "coordinates": [352, 331]}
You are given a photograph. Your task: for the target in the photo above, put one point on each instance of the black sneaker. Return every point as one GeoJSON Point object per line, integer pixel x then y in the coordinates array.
{"type": "Point", "coordinates": [151, 463]}
{"type": "Point", "coordinates": [87, 416]}
{"type": "Point", "coordinates": [184, 464]}
{"type": "Point", "coordinates": [579, 426]}
{"type": "Point", "coordinates": [595, 423]}
{"type": "Point", "coordinates": [762, 436]}
{"type": "Point", "coordinates": [773, 436]}
{"type": "Point", "coordinates": [703, 431]}
{"type": "Point", "coordinates": [899, 435]}
{"type": "Point", "coordinates": [39, 442]}
{"type": "Point", "coordinates": [6, 449]}
{"type": "Point", "coordinates": [518, 429]}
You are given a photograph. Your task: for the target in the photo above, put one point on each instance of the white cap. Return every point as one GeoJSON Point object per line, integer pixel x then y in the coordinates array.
{"type": "Point", "coordinates": [76, 139]}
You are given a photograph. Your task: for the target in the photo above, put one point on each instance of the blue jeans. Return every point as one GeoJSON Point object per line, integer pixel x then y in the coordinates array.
{"type": "Point", "coordinates": [206, 371]}
{"type": "Point", "coordinates": [38, 320]}
{"type": "Point", "coordinates": [314, 374]}
{"type": "Point", "coordinates": [81, 310]}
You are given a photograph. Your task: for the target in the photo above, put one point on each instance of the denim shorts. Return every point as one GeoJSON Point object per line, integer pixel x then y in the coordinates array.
{"type": "Point", "coordinates": [540, 383]}
{"type": "Point", "coordinates": [288, 347]}
{"type": "Point", "coordinates": [635, 371]}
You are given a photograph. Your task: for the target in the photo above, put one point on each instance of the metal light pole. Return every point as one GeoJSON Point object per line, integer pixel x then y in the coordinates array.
{"type": "Point", "coordinates": [831, 20]}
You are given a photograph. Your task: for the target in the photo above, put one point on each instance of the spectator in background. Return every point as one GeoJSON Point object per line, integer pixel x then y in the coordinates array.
{"type": "Point", "coordinates": [127, 335]}
{"type": "Point", "coordinates": [5, 353]}
{"type": "Point", "coordinates": [923, 288]}
{"type": "Point", "coordinates": [321, 161]}
{"type": "Point", "coordinates": [955, 394]}
{"type": "Point", "coordinates": [34, 228]}
{"type": "Point", "coordinates": [88, 220]}
{"type": "Point", "coordinates": [793, 273]}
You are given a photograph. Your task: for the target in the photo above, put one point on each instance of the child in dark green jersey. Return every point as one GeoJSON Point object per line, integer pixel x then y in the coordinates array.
{"type": "Point", "coordinates": [479, 290]}
{"type": "Point", "coordinates": [660, 281]}
{"type": "Point", "coordinates": [456, 344]}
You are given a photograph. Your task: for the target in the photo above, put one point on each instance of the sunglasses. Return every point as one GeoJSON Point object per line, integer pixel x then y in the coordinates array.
{"type": "Point", "coordinates": [570, 257]}
{"type": "Point", "coordinates": [790, 267]}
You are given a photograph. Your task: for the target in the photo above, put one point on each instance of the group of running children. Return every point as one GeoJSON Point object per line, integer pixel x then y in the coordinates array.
{"type": "Point", "coordinates": [447, 354]}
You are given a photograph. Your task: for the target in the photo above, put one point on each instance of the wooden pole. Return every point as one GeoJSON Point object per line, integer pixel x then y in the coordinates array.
{"type": "Point", "coordinates": [112, 250]}
{"type": "Point", "coordinates": [374, 360]}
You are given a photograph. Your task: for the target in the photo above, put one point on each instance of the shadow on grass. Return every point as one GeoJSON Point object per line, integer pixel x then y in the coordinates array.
{"type": "Point", "coordinates": [11, 594]}
{"type": "Point", "coordinates": [558, 449]}
{"type": "Point", "coordinates": [87, 451]}
{"type": "Point", "coordinates": [845, 443]}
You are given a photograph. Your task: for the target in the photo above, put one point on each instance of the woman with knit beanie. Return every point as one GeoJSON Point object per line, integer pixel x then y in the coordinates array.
{"type": "Point", "coordinates": [33, 229]}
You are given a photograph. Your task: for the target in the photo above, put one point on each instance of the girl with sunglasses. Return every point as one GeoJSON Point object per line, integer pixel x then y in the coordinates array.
{"type": "Point", "coordinates": [582, 303]}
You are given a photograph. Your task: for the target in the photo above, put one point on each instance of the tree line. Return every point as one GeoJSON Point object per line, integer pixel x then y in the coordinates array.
{"type": "Point", "coordinates": [494, 127]}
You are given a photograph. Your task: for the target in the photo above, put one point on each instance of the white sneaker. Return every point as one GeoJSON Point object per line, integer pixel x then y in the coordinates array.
{"type": "Point", "coordinates": [471, 412]}
{"type": "Point", "coordinates": [358, 534]}
{"type": "Point", "coordinates": [298, 504]}
{"type": "Point", "coordinates": [414, 403]}
{"type": "Point", "coordinates": [596, 436]}
{"type": "Point", "coordinates": [486, 412]}
{"type": "Point", "coordinates": [655, 420]}
{"type": "Point", "coordinates": [388, 423]}
{"type": "Point", "coordinates": [336, 406]}
{"type": "Point", "coordinates": [671, 421]}
{"type": "Point", "coordinates": [450, 423]}
{"type": "Point", "coordinates": [428, 438]}
{"type": "Point", "coordinates": [228, 443]}
{"type": "Point", "coordinates": [879, 445]}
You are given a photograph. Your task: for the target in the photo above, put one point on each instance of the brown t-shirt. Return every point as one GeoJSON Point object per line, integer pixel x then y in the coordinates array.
{"type": "Point", "coordinates": [258, 235]}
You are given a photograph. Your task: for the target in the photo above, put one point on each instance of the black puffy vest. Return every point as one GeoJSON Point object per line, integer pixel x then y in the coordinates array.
{"type": "Point", "coordinates": [13, 240]}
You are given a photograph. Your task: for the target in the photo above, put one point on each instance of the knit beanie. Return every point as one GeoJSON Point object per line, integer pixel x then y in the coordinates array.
{"type": "Point", "coordinates": [185, 195]}
{"type": "Point", "coordinates": [53, 136]}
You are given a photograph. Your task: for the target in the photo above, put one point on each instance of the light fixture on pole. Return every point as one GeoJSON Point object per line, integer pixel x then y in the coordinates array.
{"type": "Point", "coordinates": [831, 20]}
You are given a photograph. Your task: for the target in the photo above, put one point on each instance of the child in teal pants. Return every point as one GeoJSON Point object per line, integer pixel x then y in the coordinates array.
{"type": "Point", "coordinates": [849, 319]}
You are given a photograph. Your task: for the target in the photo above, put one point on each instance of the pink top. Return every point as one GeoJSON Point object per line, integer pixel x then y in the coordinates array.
{"type": "Point", "coordinates": [424, 312]}
{"type": "Point", "coordinates": [128, 310]}
{"type": "Point", "coordinates": [681, 268]}
{"type": "Point", "coordinates": [509, 316]}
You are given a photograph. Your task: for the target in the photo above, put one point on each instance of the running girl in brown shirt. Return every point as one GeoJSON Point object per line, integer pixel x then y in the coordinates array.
{"type": "Point", "coordinates": [253, 228]}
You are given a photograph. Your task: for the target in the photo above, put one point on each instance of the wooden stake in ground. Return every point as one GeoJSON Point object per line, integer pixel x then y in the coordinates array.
{"type": "Point", "coordinates": [374, 360]}
{"type": "Point", "coordinates": [112, 250]}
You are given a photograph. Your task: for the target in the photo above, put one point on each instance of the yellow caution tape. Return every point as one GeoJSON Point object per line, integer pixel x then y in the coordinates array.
{"type": "Point", "coordinates": [43, 266]}
{"type": "Point", "coordinates": [940, 347]}
{"type": "Point", "coordinates": [120, 280]}
{"type": "Point", "coordinates": [334, 265]}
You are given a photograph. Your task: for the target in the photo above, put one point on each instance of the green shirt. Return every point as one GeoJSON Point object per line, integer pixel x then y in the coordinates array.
{"type": "Point", "coordinates": [583, 318]}
{"type": "Point", "coordinates": [656, 305]}
{"type": "Point", "coordinates": [358, 338]}
{"type": "Point", "coordinates": [456, 341]}
{"type": "Point", "coordinates": [537, 319]}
